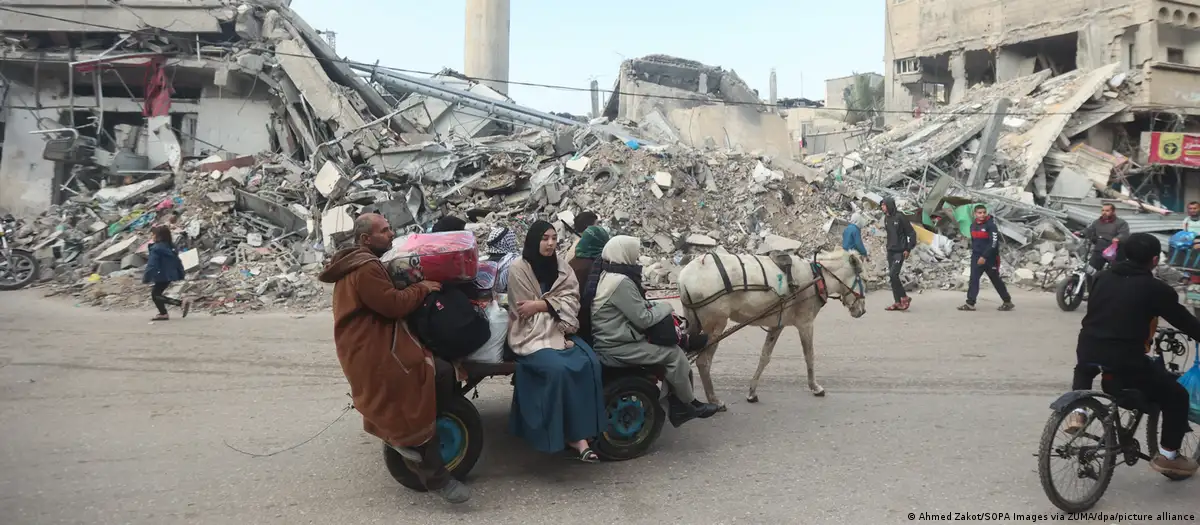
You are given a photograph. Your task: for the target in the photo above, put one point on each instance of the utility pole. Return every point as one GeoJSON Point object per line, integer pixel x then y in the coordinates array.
{"type": "Point", "coordinates": [595, 99]}
{"type": "Point", "coordinates": [773, 91]}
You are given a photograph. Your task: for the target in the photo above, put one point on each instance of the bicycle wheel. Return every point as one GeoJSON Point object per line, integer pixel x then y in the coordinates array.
{"type": "Point", "coordinates": [1190, 447]}
{"type": "Point", "coordinates": [1089, 455]}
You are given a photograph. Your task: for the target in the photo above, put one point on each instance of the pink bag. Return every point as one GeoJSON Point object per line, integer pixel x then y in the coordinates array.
{"type": "Point", "coordinates": [1110, 253]}
{"type": "Point", "coordinates": [442, 257]}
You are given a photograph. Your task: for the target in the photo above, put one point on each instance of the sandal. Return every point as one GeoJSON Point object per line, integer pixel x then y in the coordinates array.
{"type": "Point", "coordinates": [968, 307]}
{"type": "Point", "coordinates": [587, 456]}
{"type": "Point", "coordinates": [1007, 307]}
{"type": "Point", "coordinates": [894, 307]}
{"type": "Point", "coordinates": [161, 317]}
{"type": "Point", "coordinates": [187, 305]}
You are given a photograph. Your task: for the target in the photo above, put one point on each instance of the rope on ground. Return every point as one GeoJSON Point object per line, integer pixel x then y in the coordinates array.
{"type": "Point", "coordinates": [348, 408]}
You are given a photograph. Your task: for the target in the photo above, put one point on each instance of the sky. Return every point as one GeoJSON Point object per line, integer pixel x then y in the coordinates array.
{"type": "Point", "coordinates": [572, 42]}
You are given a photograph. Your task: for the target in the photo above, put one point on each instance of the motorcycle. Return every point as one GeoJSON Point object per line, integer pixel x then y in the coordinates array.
{"type": "Point", "coordinates": [1071, 290]}
{"type": "Point", "coordinates": [18, 267]}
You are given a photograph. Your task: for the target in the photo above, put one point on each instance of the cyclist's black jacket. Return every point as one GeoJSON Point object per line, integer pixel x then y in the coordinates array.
{"type": "Point", "coordinates": [1123, 310]}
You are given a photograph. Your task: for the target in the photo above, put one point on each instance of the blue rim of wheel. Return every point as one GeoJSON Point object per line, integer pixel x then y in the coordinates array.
{"type": "Point", "coordinates": [452, 436]}
{"type": "Point", "coordinates": [627, 423]}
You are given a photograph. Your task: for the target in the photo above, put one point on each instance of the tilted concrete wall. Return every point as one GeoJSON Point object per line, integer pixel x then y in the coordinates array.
{"type": "Point", "coordinates": [26, 180]}
{"type": "Point", "coordinates": [238, 125]}
{"type": "Point", "coordinates": [735, 126]}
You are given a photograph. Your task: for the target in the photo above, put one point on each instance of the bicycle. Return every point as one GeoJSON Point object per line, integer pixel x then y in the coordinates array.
{"type": "Point", "coordinates": [1118, 413]}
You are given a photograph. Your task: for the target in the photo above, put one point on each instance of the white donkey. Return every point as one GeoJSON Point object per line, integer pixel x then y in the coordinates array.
{"type": "Point", "coordinates": [716, 289]}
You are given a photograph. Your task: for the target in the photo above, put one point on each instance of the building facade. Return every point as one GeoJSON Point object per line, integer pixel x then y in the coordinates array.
{"type": "Point", "coordinates": [936, 49]}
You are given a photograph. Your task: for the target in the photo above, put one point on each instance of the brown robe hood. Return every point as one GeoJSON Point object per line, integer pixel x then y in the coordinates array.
{"type": "Point", "coordinates": [391, 376]}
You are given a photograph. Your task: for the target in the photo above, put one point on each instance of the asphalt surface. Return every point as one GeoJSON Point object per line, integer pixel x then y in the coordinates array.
{"type": "Point", "coordinates": [107, 418]}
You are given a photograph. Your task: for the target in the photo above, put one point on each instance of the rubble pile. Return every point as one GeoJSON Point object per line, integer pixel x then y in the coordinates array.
{"type": "Point", "coordinates": [1025, 149]}
{"type": "Point", "coordinates": [345, 139]}
{"type": "Point", "coordinates": [254, 230]}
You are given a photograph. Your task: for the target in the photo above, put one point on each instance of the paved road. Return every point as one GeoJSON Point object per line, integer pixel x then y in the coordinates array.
{"type": "Point", "coordinates": [109, 419]}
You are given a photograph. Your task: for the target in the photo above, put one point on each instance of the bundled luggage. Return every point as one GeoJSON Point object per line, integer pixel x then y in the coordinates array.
{"type": "Point", "coordinates": [442, 257]}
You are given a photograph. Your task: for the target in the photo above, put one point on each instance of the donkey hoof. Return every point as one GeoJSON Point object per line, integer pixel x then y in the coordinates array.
{"type": "Point", "coordinates": [820, 392]}
{"type": "Point", "coordinates": [752, 399]}
{"type": "Point", "coordinates": [722, 408]}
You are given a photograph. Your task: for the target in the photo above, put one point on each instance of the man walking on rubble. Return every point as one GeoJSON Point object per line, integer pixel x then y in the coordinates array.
{"type": "Point", "coordinates": [901, 239]}
{"type": "Point", "coordinates": [394, 382]}
{"type": "Point", "coordinates": [985, 259]}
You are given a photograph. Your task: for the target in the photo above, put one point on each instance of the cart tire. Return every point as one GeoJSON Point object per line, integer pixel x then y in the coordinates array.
{"type": "Point", "coordinates": [460, 432]}
{"type": "Point", "coordinates": [634, 418]}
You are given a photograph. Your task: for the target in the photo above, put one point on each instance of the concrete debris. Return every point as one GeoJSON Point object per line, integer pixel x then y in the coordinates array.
{"type": "Point", "coordinates": [698, 165]}
{"type": "Point", "coordinates": [1037, 151]}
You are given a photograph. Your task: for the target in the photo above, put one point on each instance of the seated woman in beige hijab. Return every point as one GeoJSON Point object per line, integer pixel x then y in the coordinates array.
{"type": "Point", "coordinates": [620, 316]}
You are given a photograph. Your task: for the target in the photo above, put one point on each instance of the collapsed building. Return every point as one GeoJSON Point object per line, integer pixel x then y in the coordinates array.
{"type": "Point", "coordinates": [682, 101]}
{"type": "Point", "coordinates": [938, 50]}
{"type": "Point", "coordinates": [238, 125]}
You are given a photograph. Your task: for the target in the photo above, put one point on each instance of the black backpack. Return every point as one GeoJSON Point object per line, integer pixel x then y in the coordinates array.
{"type": "Point", "coordinates": [449, 325]}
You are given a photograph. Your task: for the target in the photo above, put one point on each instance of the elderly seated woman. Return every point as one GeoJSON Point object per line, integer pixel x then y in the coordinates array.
{"type": "Point", "coordinates": [620, 316]}
{"type": "Point", "coordinates": [559, 399]}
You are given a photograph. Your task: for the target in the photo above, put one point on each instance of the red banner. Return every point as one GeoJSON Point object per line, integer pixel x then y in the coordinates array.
{"type": "Point", "coordinates": [1175, 149]}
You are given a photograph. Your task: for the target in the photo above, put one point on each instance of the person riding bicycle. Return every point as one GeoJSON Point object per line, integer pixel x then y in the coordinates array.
{"type": "Point", "coordinates": [1121, 319]}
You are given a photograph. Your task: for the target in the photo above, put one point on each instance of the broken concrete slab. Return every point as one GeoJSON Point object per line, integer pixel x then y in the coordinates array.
{"type": "Point", "coordinates": [658, 193]}
{"type": "Point", "coordinates": [106, 268]}
{"type": "Point", "coordinates": [222, 197]}
{"type": "Point", "coordinates": [663, 179]}
{"type": "Point", "coordinates": [118, 250]}
{"type": "Point", "coordinates": [427, 161]}
{"type": "Point", "coordinates": [330, 181]}
{"type": "Point", "coordinates": [216, 163]}
{"type": "Point", "coordinates": [773, 243]}
{"type": "Point", "coordinates": [701, 240]}
{"type": "Point", "coordinates": [119, 194]}
{"type": "Point", "coordinates": [190, 259]}
{"type": "Point", "coordinates": [236, 175]}
{"type": "Point", "coordinates": [335, 223]}
{"type": "Point", "coordinates": [1037, 141]}
{"type": "Point", "coordinates": [1071, 184]}
{"type": "Point", "coordinates": [396, 212]}
{"type": "Point", "coordinates": [664, 242]}
{"type": "Point", "coordinates": [1082, 121]}
{"type": "Point", "coordinates": [132, 260]}
{"type": "Point", "coordinates": [578, 164]}
{"type": "Point", "coordinates": [275, 212]}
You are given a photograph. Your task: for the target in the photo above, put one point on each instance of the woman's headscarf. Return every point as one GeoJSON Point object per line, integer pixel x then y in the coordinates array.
{"type": "Point", "coordinates": [617, 261]}
{"type": "Point", "coordinates": [545, 267]}
{"type": "Point", "coordinates": [500, 241]}
{"type": "Point", "coordinates": [591, 243]}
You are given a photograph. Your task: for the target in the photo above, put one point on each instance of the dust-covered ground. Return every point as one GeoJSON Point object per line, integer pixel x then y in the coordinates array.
{"type": "Point", "coordinates": [107, 418]}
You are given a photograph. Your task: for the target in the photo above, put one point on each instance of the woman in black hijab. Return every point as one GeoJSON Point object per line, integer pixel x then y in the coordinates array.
{"type": "Point", "coordinates": [558, 402]}
{"type": "Point", "coordinates": [541, 254]}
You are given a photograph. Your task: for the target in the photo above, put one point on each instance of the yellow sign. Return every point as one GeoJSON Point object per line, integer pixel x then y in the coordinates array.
{"type": "Point", "coordinates": [1170, 146]}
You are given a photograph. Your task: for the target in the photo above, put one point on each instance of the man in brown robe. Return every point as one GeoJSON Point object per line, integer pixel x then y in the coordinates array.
{"type": "Point", "coordinates": [394, 380]}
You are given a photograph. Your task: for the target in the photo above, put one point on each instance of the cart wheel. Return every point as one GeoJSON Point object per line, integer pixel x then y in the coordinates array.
{"type": "Point", "coordinates": [635, 418]}
{"type": "Point", "coordinates": [460, 432]}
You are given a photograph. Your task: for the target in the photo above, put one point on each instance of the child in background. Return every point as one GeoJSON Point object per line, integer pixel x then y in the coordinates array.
{"type": "Point", "coordinates": [163, 267]}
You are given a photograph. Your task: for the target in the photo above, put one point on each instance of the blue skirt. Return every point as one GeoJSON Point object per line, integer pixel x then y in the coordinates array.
{"type": "Point", "coordinates": [559, 397]}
